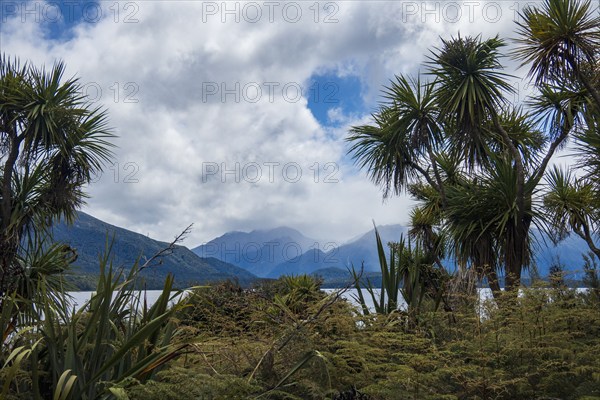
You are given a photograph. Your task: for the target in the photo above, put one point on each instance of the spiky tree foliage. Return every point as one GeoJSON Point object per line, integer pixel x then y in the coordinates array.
{"type": "Point", "coordinates": [410, 272]}
{"type": "Point", "coordinates": [51, 144]}
{"type": "Point", "coordinates": [484, 160]}
{"type": "Point", "coordinates": [572, 205]}
{"type": "Point", "coordinates": [559, 42]}
{"type": "Point", "coordinates": [405, 133]}
{"type": "Point", "coordinates": [469, 94]}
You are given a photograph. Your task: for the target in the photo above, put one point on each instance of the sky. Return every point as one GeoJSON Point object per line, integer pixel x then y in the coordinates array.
{"type": "Point", "coordinates": [232, 115]}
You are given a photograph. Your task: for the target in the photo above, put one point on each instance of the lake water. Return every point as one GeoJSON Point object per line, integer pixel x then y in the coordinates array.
{"type": "Point", "coordinates": [79, 298]}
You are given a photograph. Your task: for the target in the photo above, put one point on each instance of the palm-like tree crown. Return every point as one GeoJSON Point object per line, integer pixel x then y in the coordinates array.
{"type": "Point", "coordinates": [51, 144]}
{"type": "Point", "coordinates": [557, 39]}
{"type": "Point", "coordinates": [404, 131]}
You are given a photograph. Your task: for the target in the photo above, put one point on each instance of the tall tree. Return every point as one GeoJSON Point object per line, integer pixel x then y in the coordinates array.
{"type": "Point", "coordinates": [51, 143]}
{"type": "Point", "coordinates": [484, 159]}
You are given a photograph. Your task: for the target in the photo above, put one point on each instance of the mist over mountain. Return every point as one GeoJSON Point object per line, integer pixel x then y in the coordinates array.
{"type": "Point", "coordinates": [258, 251]}
{"type": "Point", "coordinates": [364, 248]}
{"type": "Point", "coordinates": [306, 263]}
{"type": "Point", "coordinates": [285, 251]}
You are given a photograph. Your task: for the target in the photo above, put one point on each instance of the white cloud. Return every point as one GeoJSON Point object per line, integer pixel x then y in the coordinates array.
{"type": "Point", "coordinates": [174, 58]}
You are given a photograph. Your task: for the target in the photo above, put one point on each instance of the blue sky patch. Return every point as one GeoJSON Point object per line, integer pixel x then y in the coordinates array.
{"type": "Point", "coordinates": [57, 18]}
{"type": "Point", "coordinates": [331, 97]}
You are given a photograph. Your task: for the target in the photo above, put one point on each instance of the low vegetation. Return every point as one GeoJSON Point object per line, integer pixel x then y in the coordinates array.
{"type": "Point", "coordinates": [286, 339]}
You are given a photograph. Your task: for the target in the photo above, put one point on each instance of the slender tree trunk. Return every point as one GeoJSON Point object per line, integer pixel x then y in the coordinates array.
{"type": "Point", "coordinates": [9, 239]}
{"type": "Point", "coordinates": [9, 167]}
{"type": "Point", "coordinates": [437, 175]}
{"type": "Point", "coordinates": [515, 252]}
{"type": "Point", "coordinates": [493, 282]}
{"type": "Point", "coordinates": [551, 150]}
{"type": "Point", "coordinates": [517, 256]}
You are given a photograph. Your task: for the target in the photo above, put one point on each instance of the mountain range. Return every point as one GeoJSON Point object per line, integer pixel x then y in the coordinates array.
{"type": "Point", "coordinates": [285, 251]}
{"type": "Point", "coordinates": [276, 252]}
{"type": "Point", "coordinates": [259, 251]}
{"type": "Point", "coordinates": [90, 237]}
{"type": "Point", "coordinates": [259, 254]}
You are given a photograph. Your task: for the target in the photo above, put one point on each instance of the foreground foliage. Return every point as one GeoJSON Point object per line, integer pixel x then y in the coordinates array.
{"type": "Point", "coordinates": [93, 350]}
{"type": "Point", "coordinates": [476, 170]}
{"type": "Point", "coordinates": [286, 339]}
{"type": "Point", "coordinates": [542, 345]}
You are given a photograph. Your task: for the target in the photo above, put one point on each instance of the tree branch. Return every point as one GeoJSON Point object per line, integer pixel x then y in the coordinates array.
{"type": "Point", "coordinates": [518, 165]}
{"type": "Point", "coordinates": [585, 235]}
{"type": "Point", "coordinates": [542, 168]}
{"type": "Point", "coordinates": [167, 250]}
{"type": "Point", "coordinates": [425, 175]}
{"type": "Point", "coordinates": [9, 167]}
{"type": "Point", "coordinates": [437, 175]}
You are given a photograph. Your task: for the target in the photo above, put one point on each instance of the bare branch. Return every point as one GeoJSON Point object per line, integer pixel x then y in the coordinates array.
{"type": "Point", "coordinates": [167, 251]}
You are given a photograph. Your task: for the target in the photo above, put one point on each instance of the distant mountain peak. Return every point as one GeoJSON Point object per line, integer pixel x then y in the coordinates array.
{"type": "Point", "coordinates": [277, 232]}
{"type": "Point", "coordinates": [88, 236]}
{"type": "Point", "coordinates": [275, 229]}
{"type": "Point", "coordinates": [257, 251]}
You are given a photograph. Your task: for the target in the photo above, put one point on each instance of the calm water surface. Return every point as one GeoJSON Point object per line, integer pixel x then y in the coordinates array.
{"type": "Point", "coordinates": [79, 298]}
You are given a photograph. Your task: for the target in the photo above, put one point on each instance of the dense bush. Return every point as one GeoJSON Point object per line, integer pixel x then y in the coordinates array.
{"type": "Point", "coordinates": [542, 345]}
{"type": "Point", "coordinates": [286, 339]}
